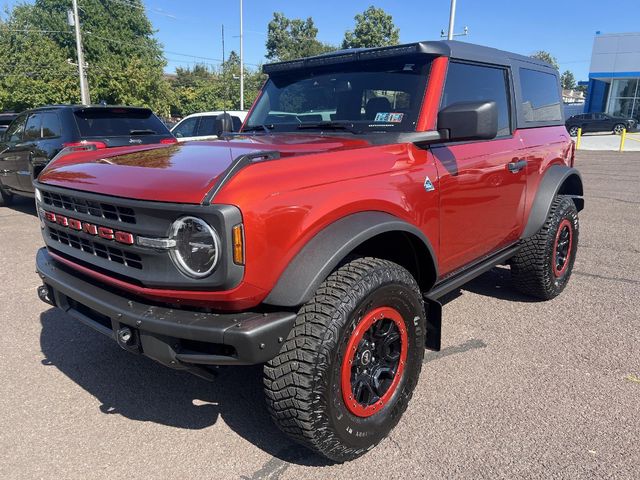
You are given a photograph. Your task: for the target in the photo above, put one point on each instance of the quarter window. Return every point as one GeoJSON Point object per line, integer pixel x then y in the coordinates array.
{"type": "Point", "coordinates": [540, 96]}
{"type": "Point", "coordinates": [476, 83]}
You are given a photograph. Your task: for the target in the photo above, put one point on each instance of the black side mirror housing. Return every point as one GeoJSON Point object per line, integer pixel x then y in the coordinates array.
{"type": "Point", "coordinates": [468, 121]}
{"type": "Point", "coordinates": [223, 124]}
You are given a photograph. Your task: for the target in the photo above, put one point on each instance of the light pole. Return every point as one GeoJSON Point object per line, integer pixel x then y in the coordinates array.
{"type": "Point", "coordinates": [241, 62]}
{"type": "Point", "coordinates": [452, 18]}
{"type": "Point", "coordinates": [84, 85]}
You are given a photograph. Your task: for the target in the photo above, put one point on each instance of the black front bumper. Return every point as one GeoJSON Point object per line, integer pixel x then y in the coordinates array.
{"type": "Point", "coordinates": [177, 338]}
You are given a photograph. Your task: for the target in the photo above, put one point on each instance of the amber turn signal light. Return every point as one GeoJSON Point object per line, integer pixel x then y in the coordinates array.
{"type": "Point", "coordinates": [238, 244]}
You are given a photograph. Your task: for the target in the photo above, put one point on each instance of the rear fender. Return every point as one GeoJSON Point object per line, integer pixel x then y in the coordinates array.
{"type": "Point", "coordinates": [557, 180]}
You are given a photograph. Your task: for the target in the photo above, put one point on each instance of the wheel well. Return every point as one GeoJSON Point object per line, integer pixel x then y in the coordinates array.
{"type": "Point", "coordinates": [572, 185]}
{"type": "Point", "coordinates": [406, 250]}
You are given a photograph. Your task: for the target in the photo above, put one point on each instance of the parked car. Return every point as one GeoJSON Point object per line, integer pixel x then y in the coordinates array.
{"type": "Point", "coordinates": [599, 122]}
{"type": "Point", "coordinates": [321, 248]}
{"type": "Point", "coordinates": [202, 126]}
{"type": "Point", "coordinates": [5, 120]}
{"type": "Point", "coordinates": [38, 135]}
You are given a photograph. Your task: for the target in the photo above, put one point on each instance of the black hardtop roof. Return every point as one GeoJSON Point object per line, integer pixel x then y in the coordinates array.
{"type": "Point", "coordinates": [447, 48]}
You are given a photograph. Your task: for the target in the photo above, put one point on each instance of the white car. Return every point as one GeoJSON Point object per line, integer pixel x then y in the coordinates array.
{"type": "Point", "coordinates": [201, 126]}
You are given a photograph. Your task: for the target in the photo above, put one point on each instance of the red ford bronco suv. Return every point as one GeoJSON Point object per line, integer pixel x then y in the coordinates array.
{"type": "Point", "coordinates": [364, 186]}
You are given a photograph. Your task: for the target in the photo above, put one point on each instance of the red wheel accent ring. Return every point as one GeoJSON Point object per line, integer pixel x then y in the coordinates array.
{"type": "Point", "coordinates": [368, 321]}
{"type": "Point", "coordinates": [562, 248]}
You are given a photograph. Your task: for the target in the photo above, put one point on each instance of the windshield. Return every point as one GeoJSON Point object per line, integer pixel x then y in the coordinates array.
{"type": "Point", "coordinates": [372, 97]}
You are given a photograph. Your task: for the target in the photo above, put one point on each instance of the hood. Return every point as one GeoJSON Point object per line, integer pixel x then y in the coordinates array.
{"type": "Point", "coordinates": [182, 173]}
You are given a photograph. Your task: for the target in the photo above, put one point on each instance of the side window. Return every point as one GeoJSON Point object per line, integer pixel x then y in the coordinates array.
{"type": "Point", "coordinates": [33, 129]}
{"type": "Point", "coordinates": [186, 128]}
{"type": "Point", "coordinates": [472, 83]}
{"type": "Point", "coordinates": [540, 96]}
{"type": "Point", "coordinates": [51, 127]}
{"type": "Point", "coordinates": [237, 123]}
{"type": "Point", "coordinates": [16, 129]}
{"type": "Point", "coordinates": [207, 126]}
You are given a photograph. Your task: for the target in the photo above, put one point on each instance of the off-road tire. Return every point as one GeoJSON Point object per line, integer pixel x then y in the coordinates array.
{"type": "Point", "coordinates": [532, 268]}
{"type": "Point", "coordinates": [302, 383]}
{"type": "Point", "coordinates": [7, 198]}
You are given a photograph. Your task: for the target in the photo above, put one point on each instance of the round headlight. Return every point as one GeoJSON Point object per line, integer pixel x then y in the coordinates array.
{"type": "Point", "coordinates": [197, 246]}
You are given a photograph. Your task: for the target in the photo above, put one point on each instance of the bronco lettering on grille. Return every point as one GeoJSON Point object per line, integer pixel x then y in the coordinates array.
{"type": "Point", "coordinates": [103, 232]}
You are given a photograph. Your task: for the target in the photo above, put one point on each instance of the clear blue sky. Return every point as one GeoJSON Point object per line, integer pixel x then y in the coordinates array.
{"type": "Point", "coordinates": [565, 29]}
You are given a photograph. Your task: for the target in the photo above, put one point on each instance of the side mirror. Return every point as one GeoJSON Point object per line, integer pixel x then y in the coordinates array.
{"type": "Point", "coordinates": [469, 121]}
{"type": "Point", "coordinates": [223, 124]}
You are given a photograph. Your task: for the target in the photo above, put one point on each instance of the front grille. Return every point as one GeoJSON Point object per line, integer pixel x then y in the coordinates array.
{"type": "Point", "coordinates": [109, 253]}
{"type": "Point", "coordinates": [89, 207]}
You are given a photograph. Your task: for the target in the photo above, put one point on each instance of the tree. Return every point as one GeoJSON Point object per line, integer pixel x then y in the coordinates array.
{"type": "Point", "coordinates": [288, 39]}
{"type": "Point", "coordinates": [567, 80]}
{"type": "Point", "coordinates": [546, 57]}
{"type": "Point", "coordinates": [202, 88]}
{"type": "Point", "coordinates": [374, 28]}
{"type": "Point", "coordinates": [125, 61]}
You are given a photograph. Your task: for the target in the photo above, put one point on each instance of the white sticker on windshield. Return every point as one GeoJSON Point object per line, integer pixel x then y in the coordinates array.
{"type": "Point", "coordinates": [389, 117]}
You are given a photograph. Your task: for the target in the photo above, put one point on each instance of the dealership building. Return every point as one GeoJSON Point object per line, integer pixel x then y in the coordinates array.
{"type": "Point", "coordinates": [614, 75]}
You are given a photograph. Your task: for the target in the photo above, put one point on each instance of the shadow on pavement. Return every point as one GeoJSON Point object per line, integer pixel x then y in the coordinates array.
{"type": "Point", "coordinates": [139, 389]}
{"type": "Point", "coordinates": [22, 205]}
{"type": "Point", "coordinates": [495, 283]}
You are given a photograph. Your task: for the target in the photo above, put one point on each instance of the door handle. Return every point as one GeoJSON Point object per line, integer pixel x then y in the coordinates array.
{"type": "Point", "coordinates": [516, 165]}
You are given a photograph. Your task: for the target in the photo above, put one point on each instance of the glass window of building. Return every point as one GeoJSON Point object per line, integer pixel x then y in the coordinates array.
{"type": "Point", "coordinates": [624, 98]}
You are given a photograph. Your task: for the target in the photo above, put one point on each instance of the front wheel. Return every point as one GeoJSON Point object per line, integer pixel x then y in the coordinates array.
{"type": "Point", "coordinates": [543, 266]}
{"type": "Point", "coordinates": [618, 129]}
{"type": "Point", "coordinates": [348, 369]}
{"type": "Point", "coordinates": [573, 131]}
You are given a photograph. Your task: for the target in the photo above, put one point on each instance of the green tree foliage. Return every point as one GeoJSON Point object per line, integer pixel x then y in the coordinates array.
{"type": "Point", "coordinates": [293, 38]}
{"type": "Point", "coordinates": [201, 88]}
{"type": "Point", "coordinates": [546, 57]}
{"type": "Point", "coordinates": [125, 60]}
{"type": "Point", "coordinates": [567, 80]}
{"type": "Point", "coordinates": [374, 28]}
{"type": "Point", "coordinates": [26, 76]}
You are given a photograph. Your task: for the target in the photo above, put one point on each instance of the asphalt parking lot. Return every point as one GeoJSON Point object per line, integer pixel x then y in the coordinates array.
{"type": "Point", "coordinates": [520, 389]}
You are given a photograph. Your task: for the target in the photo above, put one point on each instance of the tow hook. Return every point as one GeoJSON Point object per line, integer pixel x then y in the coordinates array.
{"type": "Point", "coordinates": [45, 295]}
{"type": "Point", "coordinates": [128, 339]}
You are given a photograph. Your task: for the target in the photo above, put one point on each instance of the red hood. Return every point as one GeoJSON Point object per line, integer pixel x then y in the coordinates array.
{"type": "Point", "coordinates": [182, 173]}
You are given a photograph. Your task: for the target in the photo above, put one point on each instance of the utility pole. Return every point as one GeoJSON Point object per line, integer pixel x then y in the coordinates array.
{"type": "Point", "coordinates": [241, 62]}
{"type": "Point", "coordinates": [452, 18]}
{"type": "Point", "coordinates": [84, 85]}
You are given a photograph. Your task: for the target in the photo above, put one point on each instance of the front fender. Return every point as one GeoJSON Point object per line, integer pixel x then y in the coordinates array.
{"type": "Point", "coordinates": [322, 254]}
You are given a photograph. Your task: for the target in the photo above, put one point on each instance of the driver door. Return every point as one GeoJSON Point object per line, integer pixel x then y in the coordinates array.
{"type": "Point", "coordinates": [482, 193]}
{"type": "Point", "coordinates": [12, 152]}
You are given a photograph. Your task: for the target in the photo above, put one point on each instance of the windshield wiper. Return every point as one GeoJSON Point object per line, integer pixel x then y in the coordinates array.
{"type": "Point", "coordinates": [142, 132]}
{"type": "Point", "coordinates": [256, 128]}
{"type": "Point", "coordinates": [329, 126]}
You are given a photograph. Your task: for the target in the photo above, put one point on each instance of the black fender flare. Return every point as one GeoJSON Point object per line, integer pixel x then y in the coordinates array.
{"type": "Point", "coordinates": [322, 254]}
{"type": "Point", "coordinates": [558, 179]}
